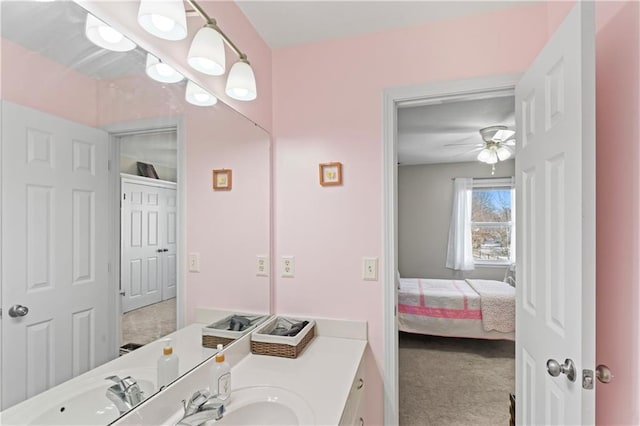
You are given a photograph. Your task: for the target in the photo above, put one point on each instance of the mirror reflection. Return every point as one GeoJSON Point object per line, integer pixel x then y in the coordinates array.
{"type": "Point", "coordinates": [128, 214]}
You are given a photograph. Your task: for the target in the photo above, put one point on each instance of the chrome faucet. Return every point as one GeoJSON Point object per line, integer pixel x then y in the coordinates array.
{"type": "Point", "coordinates": [201, 408]}
{"type": "Point", "coordinates": [125, 394]}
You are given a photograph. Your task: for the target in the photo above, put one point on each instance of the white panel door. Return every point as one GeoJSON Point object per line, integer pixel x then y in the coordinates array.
{"type": "Point", "coordinates": [141, 245]}
{"type": "Point", "coordinates": [169, 245]}
{"type": "Point", "coordinates": [54, 245]}
{"type": "Point", "coordinates": [555, 168]}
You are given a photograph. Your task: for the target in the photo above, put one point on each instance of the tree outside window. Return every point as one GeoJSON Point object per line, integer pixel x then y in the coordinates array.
{"type": "Point", "coordinates": [491, 225]}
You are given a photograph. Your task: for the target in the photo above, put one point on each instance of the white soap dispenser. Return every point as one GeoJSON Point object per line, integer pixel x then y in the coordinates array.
{"type": "Point", "coordinates": [167, 365]}
{"type": "Point", "coordinates": [221, 383]}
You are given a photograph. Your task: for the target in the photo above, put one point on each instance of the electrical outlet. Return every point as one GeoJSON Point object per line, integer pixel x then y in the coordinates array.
{"type": "Point", "coordinates": [262, 266]}
{"type": "Point", "coordinates": [194, 262]}
{"type": "Point", "coordinates": [288, 266]}
{"type": "Point", "coordinates": [370, 268]}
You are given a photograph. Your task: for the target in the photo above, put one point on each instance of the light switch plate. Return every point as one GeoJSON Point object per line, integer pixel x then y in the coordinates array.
{"type": "Point", "coordinates": [288, 267]}
{"type": "Point", "coordinates": [194, 262]}
{"type": "Point", "coordinates": [262, 266]}
{"type": "Point", "coordinates": [370, 268]}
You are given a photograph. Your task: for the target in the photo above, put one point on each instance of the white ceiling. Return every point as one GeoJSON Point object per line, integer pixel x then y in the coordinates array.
{"type": "Point", "coordinates": [287, 23]}
{"type": "Point", "coordinates": [448, 132]}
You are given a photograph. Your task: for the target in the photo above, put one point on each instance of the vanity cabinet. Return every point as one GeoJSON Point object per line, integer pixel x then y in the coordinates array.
{"type": "Point", "coordinates": [353, 414]}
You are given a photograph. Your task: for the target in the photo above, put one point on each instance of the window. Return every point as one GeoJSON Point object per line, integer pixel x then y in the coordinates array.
{"type": "Point", "coordinates": [492, 221]}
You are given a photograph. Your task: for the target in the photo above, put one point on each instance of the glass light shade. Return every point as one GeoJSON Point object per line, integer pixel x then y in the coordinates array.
{"type": "Point", "coordinates": [196, 95]}
{"type": "Point", "coordinates": [166, 19]}
{"type": "Point", "coordinates": [241, 82]}
{"type": "Point", "coordinates": [493, 157]}
{"type": "Point", "coordinates": [159, 71]}
{"type": "Point", "coordinates": [103, 35]}
{"type": "Point", "coordinates": [503, 153]}
{"type": "Point", "coordinates": [484, 155]}
{"type": "Point", "coordinates": [206, 53]}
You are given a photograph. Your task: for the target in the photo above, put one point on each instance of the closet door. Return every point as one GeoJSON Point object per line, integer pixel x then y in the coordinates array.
{"type": "Point", "coordinates": [168, 214]}
{"type": "Point", "coordinates": [142, 251]}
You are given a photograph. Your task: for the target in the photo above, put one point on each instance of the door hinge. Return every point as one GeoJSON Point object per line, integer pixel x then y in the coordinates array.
{"type": "Point", "coordinates": [122, 293]}
{"type": "Point", "coordinates": [587, 379]}
{"type": "Point", "coordinates": [109, 165]}
{"type": "Point", "coordinates": [124, 196]}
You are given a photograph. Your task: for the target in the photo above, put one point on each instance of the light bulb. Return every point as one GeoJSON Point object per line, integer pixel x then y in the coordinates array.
{"type": "Point", "coordinates": [109, 34]}
{"type": "Point", "coordinates": [493, 157]}
{"type": "Point", "coordinates": [163, 23]}
{"type": "Point", "coordinates": [201, 97]}
{"type": "Point", "coordinates": [196, 95]}
{"type": "Point", "coordinates": [159, 71]}
{"type": "Point", "coordinates": [164, 70]}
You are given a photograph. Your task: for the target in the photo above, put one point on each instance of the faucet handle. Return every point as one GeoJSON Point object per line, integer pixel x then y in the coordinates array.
{"type": "Point", "coordinates": [196, 400]}
{"type": "Point", "coordinates": [123, 384]}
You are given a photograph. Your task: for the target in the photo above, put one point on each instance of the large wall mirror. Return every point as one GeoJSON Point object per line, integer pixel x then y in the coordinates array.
{"type": "Point", "coordinates": [113, 234]}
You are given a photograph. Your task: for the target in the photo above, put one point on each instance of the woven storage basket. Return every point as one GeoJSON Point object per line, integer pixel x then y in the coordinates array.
{"type": "Point", "coordinates": [292, 346]}
{"type": "Point", "coordinates": [213, 341]}
{"type": "Point", "coordinates": [219, 333]}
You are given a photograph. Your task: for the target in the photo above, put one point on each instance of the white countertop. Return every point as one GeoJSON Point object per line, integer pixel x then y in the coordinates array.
{"type": "Point", "coordinates": [322, 374]}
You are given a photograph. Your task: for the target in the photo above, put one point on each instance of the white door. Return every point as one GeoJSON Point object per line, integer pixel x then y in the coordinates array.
{"type": "Point", "coordinates": [141, 248]}
{"type": "Point", "coordinates": [54, 251]}
{"type": "Point", "coordinates": [169, 245]}
{"type": "Point", "coordinates": [555, 169]}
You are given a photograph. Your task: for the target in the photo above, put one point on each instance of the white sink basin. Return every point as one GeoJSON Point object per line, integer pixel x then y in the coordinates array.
{"type": "Point", "coordinates": [90, 406]}
{"type": "Point", "coordinates": [266, 406]}
{"type": "Point", "coordinates": [261, 406]}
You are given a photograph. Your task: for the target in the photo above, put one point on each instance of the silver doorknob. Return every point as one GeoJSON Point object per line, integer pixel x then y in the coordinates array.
{"type": "Point", "coordinates": [18, 311]}
{"type": "Point", "coordinates": [554, 368]}
{"type": "Point", "coordinates": [603, 373]}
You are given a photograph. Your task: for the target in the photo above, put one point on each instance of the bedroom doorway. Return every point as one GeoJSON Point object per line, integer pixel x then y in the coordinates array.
{"type": "Point", "coordinates": [455, 254]}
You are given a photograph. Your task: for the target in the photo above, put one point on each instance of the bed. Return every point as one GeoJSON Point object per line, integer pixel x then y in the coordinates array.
{"type": "Point", "coordinates": [482, 309]}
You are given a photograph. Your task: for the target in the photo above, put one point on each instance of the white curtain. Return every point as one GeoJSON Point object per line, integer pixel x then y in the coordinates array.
{"type": "Point", "coordinates": [460, 250]}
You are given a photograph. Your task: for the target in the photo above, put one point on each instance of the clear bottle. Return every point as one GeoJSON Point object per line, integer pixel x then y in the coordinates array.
{"type": "Point", "coordinates": [221, 383]}
{"type": "Point", "coordinates": [167, 365]}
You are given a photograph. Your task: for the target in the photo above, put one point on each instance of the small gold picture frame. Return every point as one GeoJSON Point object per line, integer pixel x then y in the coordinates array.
{"type": "Point", "coordinates": [330, 174]}
{"type": "Point", "coordinates": [222, 180]}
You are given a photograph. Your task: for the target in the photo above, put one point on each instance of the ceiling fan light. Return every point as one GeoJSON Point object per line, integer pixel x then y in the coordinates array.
{"type": "Point", "coordinates": [503, 153]}
{"type": "Point", "coordinates": [241, 82]}
{"type": "Point", "coordinates": [165, 19]}
{"type": "Point", "coordinates": [196, 95]}
{"type": "Point", "coordinates": [206, 53]}
{"type": "Point", "coordinates": [105, 36]}
{"type": "Point", "coordinates": [484, 155]}
{"type": "Point", "coordinates": [159, 71]}
{"type": "Point", "coordinates": [493, 157]}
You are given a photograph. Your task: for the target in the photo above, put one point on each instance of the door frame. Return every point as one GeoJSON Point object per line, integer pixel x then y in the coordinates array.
{"type": "Point", "coordinates": [392, 98]}
{"type": "Point", "coordinates": [116, 130]}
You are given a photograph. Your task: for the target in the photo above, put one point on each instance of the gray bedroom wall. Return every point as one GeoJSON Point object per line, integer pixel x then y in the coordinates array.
{"type": "Point", "coordinates": [425, 197]}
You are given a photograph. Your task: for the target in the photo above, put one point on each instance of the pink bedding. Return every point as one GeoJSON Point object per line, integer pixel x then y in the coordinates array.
{"type": "Point", "coordinates": [438, 298]}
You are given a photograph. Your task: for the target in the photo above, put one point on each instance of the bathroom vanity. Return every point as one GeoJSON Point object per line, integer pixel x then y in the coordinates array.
{"type": "Point", "coordinates": [324, 385]}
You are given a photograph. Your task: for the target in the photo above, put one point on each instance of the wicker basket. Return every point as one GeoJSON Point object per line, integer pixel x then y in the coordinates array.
{"type": "Point", "coordinates": [218, 333]}
{"type": "Point", "coordinates": [282, 346]}
{"type": "Point", "coordinates": [213, 341]}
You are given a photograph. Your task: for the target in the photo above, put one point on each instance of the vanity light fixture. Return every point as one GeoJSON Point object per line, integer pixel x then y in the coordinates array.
{"type": "Point", "coordinates": [166, 19]}
{"type": "Point", "coordinates": [105, 36]}
{"type": "Point", "coordinates": [241, 82]}
{"type": "Point", "coordinates": [196, 95]}
{"type": "Point", "coordinates": [207, 51]}
{"type": "Point", "coordinates": [159, 71]}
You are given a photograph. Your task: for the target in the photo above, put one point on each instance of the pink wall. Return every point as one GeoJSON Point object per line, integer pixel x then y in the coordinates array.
{"type": "Point", "coordinates": [123, 16]}
{"type": "Point", "coordinates": [33, 80]}
{"type": "Point", "coordinates": [328, 107]}
{"type": "Point", "coordinates": [228, 228]}
{"type": "Point", "coordinates": [618, 202]}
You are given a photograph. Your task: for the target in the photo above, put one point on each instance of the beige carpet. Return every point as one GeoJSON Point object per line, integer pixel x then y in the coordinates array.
{"type": "Point", "coordinates": [446, 381]}
{"type": "Point", "coordinates": [147, 324]}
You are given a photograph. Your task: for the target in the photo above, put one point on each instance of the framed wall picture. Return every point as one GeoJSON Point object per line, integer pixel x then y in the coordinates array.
{"type": "Point", "coordinates": [330, 174]}
{"type": "Point", "coordinates": [222, 180]}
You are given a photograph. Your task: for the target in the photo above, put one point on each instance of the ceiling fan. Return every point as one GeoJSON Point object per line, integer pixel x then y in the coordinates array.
{"type": "Point", "coordinates": [497, 145]}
